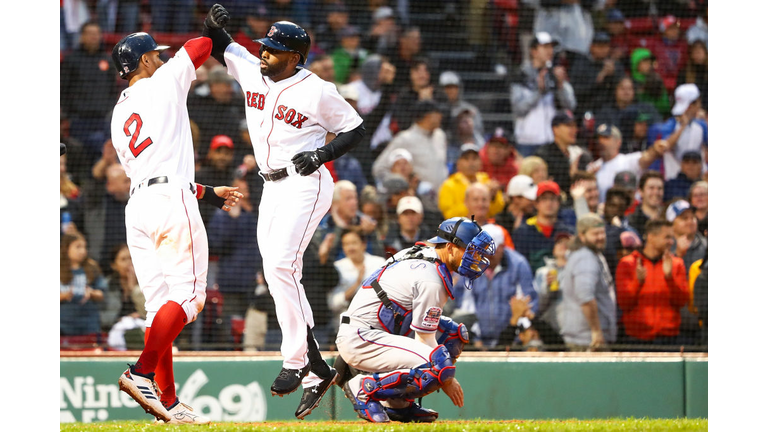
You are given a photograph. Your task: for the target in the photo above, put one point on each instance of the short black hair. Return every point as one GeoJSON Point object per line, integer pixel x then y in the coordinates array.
{"type": "Point", "coordinates": [619, 192]}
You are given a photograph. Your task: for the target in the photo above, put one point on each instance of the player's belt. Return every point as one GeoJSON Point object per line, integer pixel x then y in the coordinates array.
{"type": "Point", "coordinates": [156, 180]}
{"type": "Point", "coordinates": [275, 175]}
{"type": "Point", "coordinates": [345, 320]}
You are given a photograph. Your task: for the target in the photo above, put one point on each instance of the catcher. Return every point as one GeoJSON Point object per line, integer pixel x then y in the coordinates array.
{"type": "Point", "coordinates": [383, 369]}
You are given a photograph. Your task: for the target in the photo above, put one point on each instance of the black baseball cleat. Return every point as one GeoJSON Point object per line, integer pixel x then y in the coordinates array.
{"type": "Point", "coordinates": [312, 395]}
{"type": "Point", "coordinates": [412, 413]}
{"type": "Point", "coordinates": [288, 381]}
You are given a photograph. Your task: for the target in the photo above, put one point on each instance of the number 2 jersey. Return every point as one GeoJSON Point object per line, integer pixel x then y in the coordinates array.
{"type": "Point", "coordinates": [289, 116]}
{"type": "Point", "coordinates": [150, 123]}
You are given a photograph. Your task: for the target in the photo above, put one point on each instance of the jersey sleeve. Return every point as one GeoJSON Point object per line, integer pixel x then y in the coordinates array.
{"type": "Point", "coordinates": [428, 301]}
{"type": "Point", "coordinates": [176, 75]}
{"type": "Point", "coordinates": [334, 113]}
{"type": "Point", "coordinates": [239, 59]}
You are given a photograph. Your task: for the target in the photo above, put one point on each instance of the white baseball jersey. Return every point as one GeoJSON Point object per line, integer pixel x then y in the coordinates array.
{"type": "Point", "coordinates": [414, 284]}
{"type": "Point", "coordinates": [285, 118]}
{"type": "Point", "coordinates": [164, 231]}
{"type": "Point", "coordinates": [150, 124]}
{"type": "Point", "coordinates": [289, 116]}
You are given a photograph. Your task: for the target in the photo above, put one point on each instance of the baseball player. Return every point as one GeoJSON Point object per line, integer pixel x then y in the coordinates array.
{"type": "Point", "coordinates": [289, 111]}
{"type": "Point", "coordinates": [407, 296]}
{"type": "Point", "coordinates": [165, 234]}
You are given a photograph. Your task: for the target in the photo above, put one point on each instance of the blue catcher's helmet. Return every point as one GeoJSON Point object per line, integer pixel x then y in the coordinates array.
{"type": "Point", "coordinates": [127, 53]}
{"type": "Point", "coordinates": [287, 36]}
{"type": "Point", "coordinates": [477, 244]}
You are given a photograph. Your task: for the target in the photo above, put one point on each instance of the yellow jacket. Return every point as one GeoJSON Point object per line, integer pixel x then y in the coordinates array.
{"type": "Point", "coordinates": [450, 198]}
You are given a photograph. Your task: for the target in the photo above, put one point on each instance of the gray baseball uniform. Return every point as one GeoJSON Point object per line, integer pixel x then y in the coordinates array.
{"type": "Point", "coordinates": [418, 286]}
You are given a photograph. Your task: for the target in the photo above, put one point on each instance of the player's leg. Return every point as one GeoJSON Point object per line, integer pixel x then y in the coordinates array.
{"type": "Point", "coordinates": [285, 229]}
{"type": "Point", "coordinates": [141, 385]}
{"type": "Point", "coordinates": [181, 251]}
{"type": "Point", "coordinates": [400, 370]}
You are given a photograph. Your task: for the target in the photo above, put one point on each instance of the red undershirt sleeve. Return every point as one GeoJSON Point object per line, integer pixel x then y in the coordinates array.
{"type": "Point", "coordinates": [199, 49]}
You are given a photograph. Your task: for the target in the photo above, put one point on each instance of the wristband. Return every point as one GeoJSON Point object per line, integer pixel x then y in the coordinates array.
{"type": "Point", "coordinates": [211, 198]}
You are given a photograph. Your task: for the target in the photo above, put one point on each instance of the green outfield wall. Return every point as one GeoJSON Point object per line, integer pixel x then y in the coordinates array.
{"type": "Point", "coordinates": [236, 388]}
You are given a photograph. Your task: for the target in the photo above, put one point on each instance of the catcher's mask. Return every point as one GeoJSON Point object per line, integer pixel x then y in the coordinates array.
{"type": "Point", "coordinates": [477, 244]}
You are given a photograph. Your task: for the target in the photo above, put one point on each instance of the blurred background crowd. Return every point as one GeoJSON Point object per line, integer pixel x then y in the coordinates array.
{"type": "Point", "coordinates": [574, 131]}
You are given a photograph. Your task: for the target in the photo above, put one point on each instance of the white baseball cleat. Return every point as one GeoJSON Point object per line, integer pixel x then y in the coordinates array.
{"type": "Point", "coordinates": [182, 413]}
{"type": "Point", "coordinates": [144, 390]}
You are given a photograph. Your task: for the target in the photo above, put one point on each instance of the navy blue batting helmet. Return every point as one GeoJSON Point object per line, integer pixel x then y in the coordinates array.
{"type": "Point", "coordinates": [287, 36]}
{"type": "Point", "coordinates": [127, 53]}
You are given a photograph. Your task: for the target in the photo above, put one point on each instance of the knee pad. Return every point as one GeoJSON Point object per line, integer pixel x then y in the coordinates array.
{"type": "Point", "coordinates": [416, 383]}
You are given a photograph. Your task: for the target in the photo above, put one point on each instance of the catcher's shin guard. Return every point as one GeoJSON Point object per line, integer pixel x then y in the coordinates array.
{"type": "Point", "coordinates": [416, 383]}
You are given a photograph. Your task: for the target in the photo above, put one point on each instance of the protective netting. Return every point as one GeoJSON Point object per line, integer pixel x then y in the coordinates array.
{"type": "Point", "coordinates": [602, 104]}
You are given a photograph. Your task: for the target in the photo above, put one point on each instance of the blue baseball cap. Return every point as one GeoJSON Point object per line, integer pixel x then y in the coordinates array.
{"type": "Point", "coordinates": [676, 209]}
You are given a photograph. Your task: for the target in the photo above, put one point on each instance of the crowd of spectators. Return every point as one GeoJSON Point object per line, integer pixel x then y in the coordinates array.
{"type": "Point", "coordinates": [595, 191]}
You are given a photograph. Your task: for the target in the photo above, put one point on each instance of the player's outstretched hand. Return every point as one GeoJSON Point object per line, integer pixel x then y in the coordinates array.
{"type": "Point", "coordinates": [453, 389]}
{"type": "Point", "coordinates": [217, 18]}
{"type": "Point", "coordinates": [306, 162]}
{"type": "Point", "coordinates": [230, 194]}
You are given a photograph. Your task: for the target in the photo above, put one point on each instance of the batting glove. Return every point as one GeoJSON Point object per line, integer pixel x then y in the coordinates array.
{"type": "Point", "coordinates": [217, 17]}
{"type": "Point", "coordinates": [308, 162]}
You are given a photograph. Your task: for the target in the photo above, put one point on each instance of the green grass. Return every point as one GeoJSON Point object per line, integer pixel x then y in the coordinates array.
{"type": "Point", "coordinates": [479, 425]}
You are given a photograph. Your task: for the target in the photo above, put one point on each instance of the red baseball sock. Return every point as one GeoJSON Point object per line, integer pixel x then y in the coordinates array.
{"type": "Point", "coordinates": [164, 375]}
{"type": "Point", "coordinates": [168, 323]}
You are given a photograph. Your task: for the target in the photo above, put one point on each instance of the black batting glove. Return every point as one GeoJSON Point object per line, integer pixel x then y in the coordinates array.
{"type": "Point", "coordinates": [309, 161]}
{"type": "Point", "coordinates": [217, 17]}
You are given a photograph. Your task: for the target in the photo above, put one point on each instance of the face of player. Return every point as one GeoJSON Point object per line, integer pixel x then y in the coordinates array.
{"type": "Point", "coordinates": [122, 263]}
{"type": "Point", "coordinates": [594, 238]}
{"type": "Point", "coordinates": [77, 253]}
{"type": "Point", "coordinates": [152, 61]}
{"type": "Point", "coordinates": [274, 62]}
{"type": "Point", "coordinates": [653, 192]}
{"type": "Point", "coordinates": [353, 247]}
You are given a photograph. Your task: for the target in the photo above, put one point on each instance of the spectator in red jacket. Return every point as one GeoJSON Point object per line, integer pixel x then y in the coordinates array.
{"type": "Point", "coordinates": [499, 158]}
{"type": "Point", "coordinates": [651, 288]}
{"type": "Point", "coordinates": [671, 51]}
